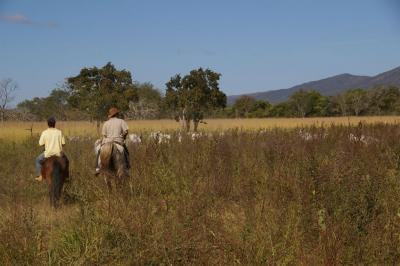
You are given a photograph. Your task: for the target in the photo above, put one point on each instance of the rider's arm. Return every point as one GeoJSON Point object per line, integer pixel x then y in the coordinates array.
{"type": "Point", "coordinates": [62, 140]}
{"type": "Point", "coordinates": [41, 140]}
{"type": "Point", "coordinates": [124, 129]}
{"type": "Point", "coordinates": [104, 131]}
{"type": "Point", "coordinates": [125, 134]}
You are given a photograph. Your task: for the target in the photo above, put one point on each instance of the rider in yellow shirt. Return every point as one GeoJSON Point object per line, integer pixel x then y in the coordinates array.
{"type": "Point", "coordinates": [52, 139]}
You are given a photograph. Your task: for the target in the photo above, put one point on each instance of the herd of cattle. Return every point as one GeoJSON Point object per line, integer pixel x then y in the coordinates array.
{"type": "Point", "coordinates": [159, 137]}
{"type": "Point", "coordinates": [352, 137]}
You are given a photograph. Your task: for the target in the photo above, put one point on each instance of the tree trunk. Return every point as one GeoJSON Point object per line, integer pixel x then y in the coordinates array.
{"type": "Point", "coordinates": [195, 125]}
{"type": "Point", "coordinates": [98, 127]}
{"type": "Point", "coordinates": [187, 125]}
{"type": "Point", "coordinates": [342, 106]}
{"type": "Point", "coordinates": [185, 121]}
{"type": "Point", "coordinates": [343, 110]}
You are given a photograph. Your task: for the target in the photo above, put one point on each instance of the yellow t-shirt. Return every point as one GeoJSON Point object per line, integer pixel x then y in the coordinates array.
{"type": "Point", "coordinates": [52, 139]}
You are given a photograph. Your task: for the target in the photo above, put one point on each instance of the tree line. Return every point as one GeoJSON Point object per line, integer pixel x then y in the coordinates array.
{"type": "Point", "coordinates": [188, 99]}
{"type": "Point", "coordinates": [381, 100]}
{"type": "Point", "coordinates": [90, 94]}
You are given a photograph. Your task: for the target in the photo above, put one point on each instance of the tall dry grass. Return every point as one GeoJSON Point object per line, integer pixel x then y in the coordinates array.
{"type": "Point", "coordinates": [240, 198]}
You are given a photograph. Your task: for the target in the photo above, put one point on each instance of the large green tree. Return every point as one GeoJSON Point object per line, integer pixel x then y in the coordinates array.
{"type": "Point", "coordinates": [95, 90]}
{"type": "Point", "coordinates": [244, 106]}
{"type": "Point", "coordinates": [338, 105]}
{"type": "Point", "coordinates": [7, 89]}
{"type": "Point", "coordinates": [56, 104]}
{"type": "Point", "coordinates": [196, 94]}
{"type": "Point", "coordinates": [356, 100]}
{"type": "Point", "coordinates": [149, 104]}
{"type": "Point", "coordinates": [283, 109]}
{"type": "Point", "coordinates": [249, 107]}
{"type": "Point", "coordinates": [384, 100]}
{"type": "Point", "coordinates": [308, 103]}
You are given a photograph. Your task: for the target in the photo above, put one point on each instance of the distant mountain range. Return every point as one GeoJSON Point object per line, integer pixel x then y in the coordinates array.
{"type": "Point", "coordinates": [328, 86]}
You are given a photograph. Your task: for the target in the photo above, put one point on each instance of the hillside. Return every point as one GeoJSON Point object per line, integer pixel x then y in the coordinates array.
{"type": "Point", "coordinates": [328, 86]}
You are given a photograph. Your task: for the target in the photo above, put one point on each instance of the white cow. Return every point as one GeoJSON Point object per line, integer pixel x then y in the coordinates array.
{"type": "Point", "coordinates": [134, 138]}
{"type": "Point", "coordinates": [73, 138]}
{"type": "Point", "coordinates": [366, 140]}
{"type": "Point", "coordinates": [160, 137]}
{"type": "Point", "coordinates": [307, 136]}
{"type": "Point", "coordinates": [196, 135]}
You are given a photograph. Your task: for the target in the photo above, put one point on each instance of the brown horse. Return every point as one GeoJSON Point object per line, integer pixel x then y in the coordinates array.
{"type": "Point", "coordinates": [55, 171]}
{"type": "Point", "coordinates": [113, 164]}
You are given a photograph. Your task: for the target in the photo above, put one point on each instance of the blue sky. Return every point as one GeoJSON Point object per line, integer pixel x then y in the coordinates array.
{"type": "Point", "coordinates": [255, 45]}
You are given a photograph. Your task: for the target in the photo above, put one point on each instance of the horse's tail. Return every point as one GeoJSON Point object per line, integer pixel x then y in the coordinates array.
{"type": "Point", "coordinates": [56, 183]}
{"type": "Point", "coordinates": [106, 155]}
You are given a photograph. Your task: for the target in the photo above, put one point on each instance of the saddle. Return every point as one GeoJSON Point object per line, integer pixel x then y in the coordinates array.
{"type": "Point", "coordinates": [98, 145]}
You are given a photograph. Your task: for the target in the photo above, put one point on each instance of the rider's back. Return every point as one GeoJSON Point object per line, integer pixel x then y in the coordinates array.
{"type": "Point", "coordinates": [113, 130]}
{"type": "Point", "coordinates": [52, 139]}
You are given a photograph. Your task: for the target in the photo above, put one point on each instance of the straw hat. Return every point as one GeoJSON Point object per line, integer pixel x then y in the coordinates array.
{"type": "Point", "coordinates": [112, 112]}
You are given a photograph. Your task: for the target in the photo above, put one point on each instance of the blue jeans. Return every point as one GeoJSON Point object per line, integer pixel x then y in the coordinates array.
{"type": "Point", "coordinates": [38, 163]}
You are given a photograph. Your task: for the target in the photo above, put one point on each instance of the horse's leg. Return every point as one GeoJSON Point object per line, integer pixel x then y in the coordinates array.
{"type": "Point", "coordinates": [48, 176]}
{"type": "Point", "coordinates": [109, 186]}
{"type": "Point", "coordinates": [66, 168]}
{"type": "Point", "coordinates": [59, 190]}
{"type": "Point", "coordinates": [55, 195]}
{"type": "Point", "coordinates": [51, 194]}
{"type": "Point", "coordinates": [120, 177]}
{"type": "Point", "coordinates": [108, 182]}
{"type": "Point", "coordinates": [121, 182]}
{"type": "Point", "coordinates": [57, 180]}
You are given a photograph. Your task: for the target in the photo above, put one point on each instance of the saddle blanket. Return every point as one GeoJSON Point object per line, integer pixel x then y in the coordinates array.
{"type": "Point", "coordinates": [98, 144]}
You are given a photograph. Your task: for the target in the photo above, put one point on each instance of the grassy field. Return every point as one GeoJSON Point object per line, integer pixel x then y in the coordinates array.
{"type": "Point", "coordinates": [323, 196]}
{"type": "Point", "coordinates": [21, 130]}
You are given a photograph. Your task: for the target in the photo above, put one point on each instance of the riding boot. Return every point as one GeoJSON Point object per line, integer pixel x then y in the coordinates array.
{"type": "Point", "coordinates": [126, 154]}
{"type": "Point", "coordinates": [39, 162]}
{"type": "Point", "coordinates": [97, 167]}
